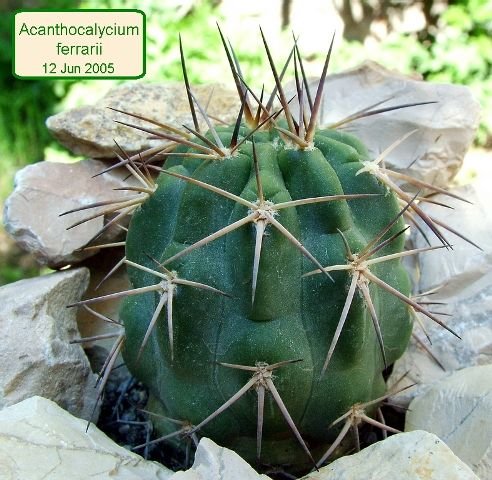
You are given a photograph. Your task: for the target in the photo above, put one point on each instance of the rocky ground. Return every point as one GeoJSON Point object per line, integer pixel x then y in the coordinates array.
{"type": "Point", "coordinates": [47, 381]}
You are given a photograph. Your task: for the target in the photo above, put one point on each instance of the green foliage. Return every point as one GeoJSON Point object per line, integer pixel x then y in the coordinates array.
{"type": "Point", "coordinates": [461, 52]}
{"type": "Point", "coordinates": [12, 271]}
{"type": "Point", "coordinates": [290, 318]}
{"type": "Point", "coordinates": [24, 104]}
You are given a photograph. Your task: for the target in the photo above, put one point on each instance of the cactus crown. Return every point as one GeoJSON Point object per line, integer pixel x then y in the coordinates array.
{"type": "Point", "coordinates": [268, 292]}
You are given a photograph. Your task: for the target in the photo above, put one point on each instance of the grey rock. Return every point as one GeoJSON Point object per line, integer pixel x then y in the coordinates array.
{"type": "Point", "coordinates": [463, 279]}
{"type": "Point", "coordinates": [217, 463]}
{"type": "Point", "coordinates": [457, 410]}
{"type": "Point", "coordinates": [40, 441]}
{"type": "Point", "coordinates": [36, 356]}
{"type": "Point", "coordinates": [91, 130]}
{"type": "Point", "coordinates": [415, 455]}
{"type": "Point", "coordinates": [445, 129]}
{"type": "Point", "coordinates": [465, 264]}
{"type": "Point", "coordinates": [45, 190]}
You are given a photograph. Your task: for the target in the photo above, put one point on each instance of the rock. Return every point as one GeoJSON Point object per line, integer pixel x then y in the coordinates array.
{"type": "Point", "coordinates": [407, 456]}
{"type": "Point", "coordinates": [465, 264]}
{"type": "Point", "coordinates": [457, 410]}
{"type": "Point", "coordinates": [36, 357]}
{"type": "Point", "coordinates": [217, 463]}
{"type": "Point", "coordinates": [446, 128]}
{"type": "Point", "coordinates": [91, 130]}
{"type": "Point", "coordinates": [39, 440]}
{"type": "Point", "coordinates": [464, 281]}
{"type": "Point", "coordinates": [472, 320]}
{"type": "Point", "coordinates": [43, 191]}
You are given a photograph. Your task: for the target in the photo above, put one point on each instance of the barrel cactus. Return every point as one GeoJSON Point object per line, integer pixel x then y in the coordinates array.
{"type": "Point", "coordinates": [268, 294]}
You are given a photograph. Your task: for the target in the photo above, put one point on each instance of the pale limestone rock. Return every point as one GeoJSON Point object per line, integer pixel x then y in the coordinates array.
{"type": "Point", "coordinates": [464, 278]}
{"type": "Point", "coordinates": [36, 356]}
{"type": "Point", "coordinates": [445, 129]}
{"type": "Point", "coordinates": [458, 410]}
{"type": "Point", "coordinates": [45, 190]}
{"type": "Point", "coordinates": [472, 320]}
{"type": "Point", "coordinates": [41, 441]}
{"type": "Point", "coordinates": [415, 455]}
{"type": "Point", "coordinates": [91, 130]}
{"type": "Point", "coordinates": [217, 463]}
{"type": "Point", "coordinates": [465, 264]}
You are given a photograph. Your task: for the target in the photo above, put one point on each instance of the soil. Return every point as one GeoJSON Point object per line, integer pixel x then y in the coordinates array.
{"type": "Point", "coordinates": [124, 420]}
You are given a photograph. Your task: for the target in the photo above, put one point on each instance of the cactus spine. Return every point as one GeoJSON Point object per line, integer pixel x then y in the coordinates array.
{"type": "Point", "coordinates": [268, 291]}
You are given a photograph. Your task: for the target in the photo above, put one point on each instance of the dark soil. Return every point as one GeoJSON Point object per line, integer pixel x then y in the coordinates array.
{"type": "Point", "coordinates": [124, 420]}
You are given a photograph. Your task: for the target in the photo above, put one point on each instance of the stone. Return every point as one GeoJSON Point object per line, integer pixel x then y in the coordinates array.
{"type": "Point", "coordinates": [91, 130]}
{"type": "Point", "coordinates": [213, 462]}
{"type": "Point", "coordinates": [40, 440]}
{"type": "Point", "coordinates": [463, 279]}
{"type": "Point", "coordinates": [36, 356]}
{"type": "Point", "coordinates": [472, 321]}
{"type": "Point", "coordinates": [445, 129]}
{"type": "Point", "coordinates": [465, 264]}
{"type": "Point", "coordinates": [415, 455]}
{"type": "Point", "coordinates": [43, 191]}
{"type": "Point", "coordinates": [458, 410]}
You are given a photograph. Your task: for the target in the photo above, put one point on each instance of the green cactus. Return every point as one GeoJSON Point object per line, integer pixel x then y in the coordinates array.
{"type": "Point", "coordinates": [286, 317]}
{"type": "Point", "coordinates": [268, 291]}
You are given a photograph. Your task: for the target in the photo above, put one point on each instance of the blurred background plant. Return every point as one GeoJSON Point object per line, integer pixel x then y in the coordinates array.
{"type": "Point", "coordinates": [441, 40]}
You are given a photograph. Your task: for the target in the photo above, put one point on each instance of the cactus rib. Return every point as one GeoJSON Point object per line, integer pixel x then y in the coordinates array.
{"type": "Point", "coordinates": [218, 250]}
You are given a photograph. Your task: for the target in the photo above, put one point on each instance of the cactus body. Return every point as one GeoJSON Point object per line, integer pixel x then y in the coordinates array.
{"type": "Point", "coordinates": [291, 317]}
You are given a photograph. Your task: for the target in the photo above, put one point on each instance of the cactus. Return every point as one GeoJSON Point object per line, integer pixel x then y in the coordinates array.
{"type": "Point", "coordinates": [268, 294]}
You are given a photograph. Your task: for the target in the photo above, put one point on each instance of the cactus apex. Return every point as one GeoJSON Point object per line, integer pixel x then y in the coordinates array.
{"type": "Point", "coordinates": [217, 252]}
